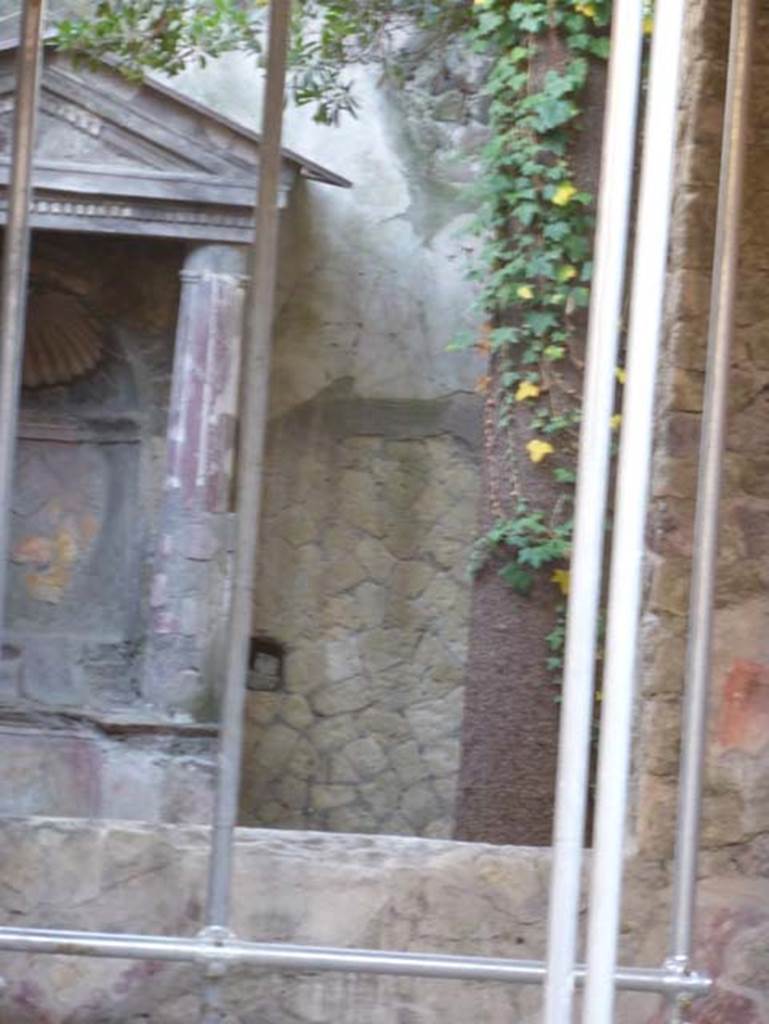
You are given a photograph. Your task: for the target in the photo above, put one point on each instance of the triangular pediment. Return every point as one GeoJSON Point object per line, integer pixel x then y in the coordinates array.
{"type": "Point", "coordinates": [138, 157]}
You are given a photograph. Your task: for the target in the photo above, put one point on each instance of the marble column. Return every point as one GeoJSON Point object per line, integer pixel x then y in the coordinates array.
{"type": "Point", "coordinates": [188, 600]}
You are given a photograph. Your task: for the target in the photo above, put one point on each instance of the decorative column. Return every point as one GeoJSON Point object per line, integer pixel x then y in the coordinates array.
{"type": "Point", "coordinates": [188, 600]}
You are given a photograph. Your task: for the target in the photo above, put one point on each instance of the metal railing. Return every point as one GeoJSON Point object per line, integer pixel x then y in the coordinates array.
{"type": "Point", "coordinates": [216, 948]}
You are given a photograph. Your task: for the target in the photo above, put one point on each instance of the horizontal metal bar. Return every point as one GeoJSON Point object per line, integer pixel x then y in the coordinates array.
{"type": "Point", "coordinates": [282, 957]}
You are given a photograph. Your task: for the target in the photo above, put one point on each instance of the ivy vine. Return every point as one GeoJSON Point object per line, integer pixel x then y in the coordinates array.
{"type": "Point", "coordinates": [534, 278]}
{"type": "Point", "coordinates": [536, 221]}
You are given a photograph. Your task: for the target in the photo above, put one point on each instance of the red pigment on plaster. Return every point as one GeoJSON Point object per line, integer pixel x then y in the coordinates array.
{"type": "Point", "coordinates": [718, 929]}
{"type": "Point", "coordinates": [136, 975]}
{"type": "Point", "coordinates": [27, 998]}
{"type": "Point", "coordinates": [720, 1007]}
{"type": "Point", "coordinates": [727, 1008]}
{"type": "Point", "coordinates": [743, 721]}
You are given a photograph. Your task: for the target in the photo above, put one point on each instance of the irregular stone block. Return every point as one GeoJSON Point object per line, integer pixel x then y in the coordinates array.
{"type": "Point", "coordinates": [296, 712]}
{"type": "Point", "coordinates": [338, 698]}
{"type": "Point", "coordinates": [366, 756]}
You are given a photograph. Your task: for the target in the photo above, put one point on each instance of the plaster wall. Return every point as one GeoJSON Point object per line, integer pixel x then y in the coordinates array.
{"type": "Point", "coordinates": [352, 891]}
{"type": "Point", "coordinates": [391, 892]}
{"type": "Point", "coordinates": [372, 471]}
{"type": "Point", "coordinates": [78, 737]}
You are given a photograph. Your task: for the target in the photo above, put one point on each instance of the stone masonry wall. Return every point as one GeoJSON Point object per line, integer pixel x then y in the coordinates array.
{"type": "Point", "coordinates": [351, 891]}
{"type": "Point", "coordinates": [736, 799]}
{"type": "Point", "coordinates": [363, 578]}
{"type": "Point", "coordinates": [737, 789]}
{"type": "Point", "coordinates": [373, 460]}
{"type": "Point", "coordinates": [423, 894]}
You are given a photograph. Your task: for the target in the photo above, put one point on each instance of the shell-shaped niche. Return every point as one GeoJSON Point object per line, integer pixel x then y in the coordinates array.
{"type": "Point", "coordinates": [64, 340]}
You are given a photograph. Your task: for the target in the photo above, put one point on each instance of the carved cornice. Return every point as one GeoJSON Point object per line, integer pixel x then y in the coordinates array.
{"type": "Point", "coordinates": [105, 215]}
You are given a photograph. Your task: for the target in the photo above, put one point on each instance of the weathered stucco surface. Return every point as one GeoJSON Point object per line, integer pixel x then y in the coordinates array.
{"type": "Point", "coordinates": [352, 891]}
{"type": "Point", "coordinates": [77, 738]}
{"type": "Point", "coordinates": [372, 468]}
{"type": "Point", "coordinates": [736, 798]}
{"type": "Point", "coordinates": [364, 578]}
{"type": "Point", "coordinates": [736, 812]}
{"type": "Point", "coordinates": [423, 894]}
{"type": "Point", "coordinates": [370, 502]}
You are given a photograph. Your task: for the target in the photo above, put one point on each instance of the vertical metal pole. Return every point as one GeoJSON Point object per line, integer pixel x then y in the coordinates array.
{"type": "Point", "coordinates": [15, 270]}
{"type": "Point", "coordinates": [724, 286]}
{"type": "Point", "coordinates": [624, 603]}
{"type": "Point", "coordinates": [253, 423]}
{"type": "Point", "coordinates": [592, 484]}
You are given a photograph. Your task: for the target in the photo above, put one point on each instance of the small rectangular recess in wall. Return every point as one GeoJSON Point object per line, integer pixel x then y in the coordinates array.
{"type": "Point", "coordinates": [265, 665]}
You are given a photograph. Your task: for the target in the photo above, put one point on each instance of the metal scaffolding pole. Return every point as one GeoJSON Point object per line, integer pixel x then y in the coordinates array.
{"type": "Point", "coordinates": [15, 269]}
{"type": "Point", "coordinates": [282, 957]}
{"type": "Point", "coordinates": [253, 424]}
{"type": "Point", "coordinates": [723, 291]}
{"type": "Point", "coordinates": [592, 486]}
{"type": "Point", "coordinates": [627, 558]}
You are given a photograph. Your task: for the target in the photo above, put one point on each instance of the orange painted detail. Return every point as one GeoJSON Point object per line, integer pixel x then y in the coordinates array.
{"type": "Point", "coordinates": [743, 721]}
{"type": "Point", "coordinates": [53, 559]}
{"type": "Point", "coordinates": [35, 550]}
{"type": "Point", "coordinates": [50, 584]}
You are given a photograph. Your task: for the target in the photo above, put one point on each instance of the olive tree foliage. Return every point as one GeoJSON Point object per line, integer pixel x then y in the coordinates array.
{"type": "Point", "coordinates": [328, 37]}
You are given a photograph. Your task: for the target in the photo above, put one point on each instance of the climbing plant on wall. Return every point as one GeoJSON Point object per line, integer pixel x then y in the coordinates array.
{"type": "Point", "coordinates": [534, 276]}
{"type": "Point", "coordinates": [535, 219]}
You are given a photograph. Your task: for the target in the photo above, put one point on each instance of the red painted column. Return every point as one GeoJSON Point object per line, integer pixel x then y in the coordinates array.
{"type": "Point", "coordinates": [188, 599]}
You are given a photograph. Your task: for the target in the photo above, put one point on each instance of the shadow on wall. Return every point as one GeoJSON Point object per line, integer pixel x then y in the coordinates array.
{"type": "Point", "coordinates": [369, 517]}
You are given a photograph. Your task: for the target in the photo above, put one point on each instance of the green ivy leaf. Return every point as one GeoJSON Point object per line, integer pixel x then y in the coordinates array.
{"type": "Point", "coordinates": [517, 578]}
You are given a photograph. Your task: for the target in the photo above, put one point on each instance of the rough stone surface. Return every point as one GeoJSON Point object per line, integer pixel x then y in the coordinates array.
{"type": "Point", "coordinates": [371, 477]}
{"type": "Point", "coordinates": [373, 455]}
{"type": "Point", "coordinates": [362, 578]}
{"type": "Point", "coordinates": [736, 807]}
{"type": "Point", "coordinates": [355, 582]}
{"type": "Point", "coordinates": [77, 771]}
{"type": "Point", "coordinates": [350, 891]}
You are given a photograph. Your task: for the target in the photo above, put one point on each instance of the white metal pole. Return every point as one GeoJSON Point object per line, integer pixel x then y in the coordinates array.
{"type": "Point", "coordinates": [250, 458]}
{"type": "Point", "coordinates": [724, 286]}
{"type": "Point", "coordinates": [647, 304]}
{"type": "Point", "coordinates": [252, 434]}
{"type": "Point", "coordinates": [592, 485]}
{"type": "Point", "coordinates": [15, 270]}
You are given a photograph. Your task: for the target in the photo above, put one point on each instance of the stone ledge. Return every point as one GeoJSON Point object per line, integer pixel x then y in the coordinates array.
{"type": "Point", "coordinates": [20, 714]}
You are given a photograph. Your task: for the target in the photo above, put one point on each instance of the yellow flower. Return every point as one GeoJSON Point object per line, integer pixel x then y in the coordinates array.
{"type": "Point", "coordinates": [567, 273]}
{"type": "Point", "coordinates": [621, 374]}
{"type": "Point", "coordinates": [562, 577]}
{"type": "Point", "coordinates": [525, 292]}
{"type": "Point", "coordinates": [526, 389]}
{"type": "Point", "coordinates": [616, 421]}
{"type": "Point", "coordinates": [564, 194]}
{"type": "Point", "coordinates": [587, 9]}
{"type": "Point", "coordinates": [538, 450]}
